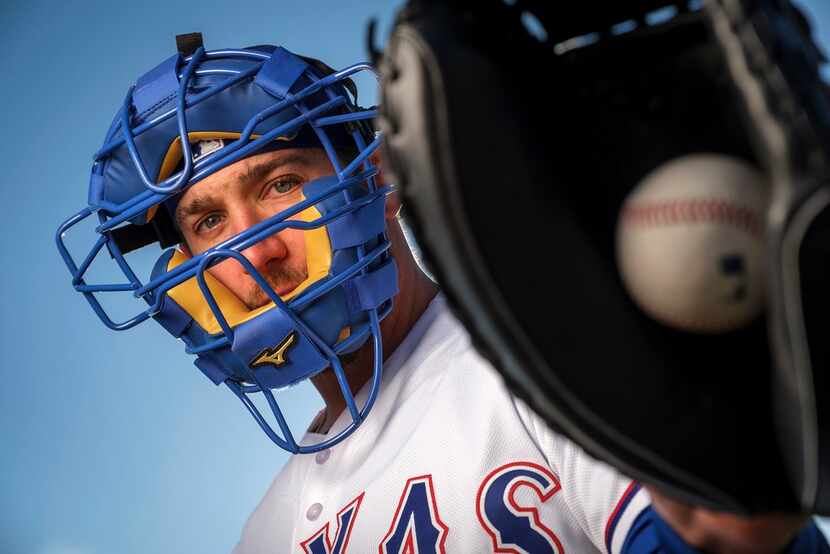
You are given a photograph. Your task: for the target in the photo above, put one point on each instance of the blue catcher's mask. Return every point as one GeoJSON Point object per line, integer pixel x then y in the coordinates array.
{"type": "Point", "coordinates": [254, 99]}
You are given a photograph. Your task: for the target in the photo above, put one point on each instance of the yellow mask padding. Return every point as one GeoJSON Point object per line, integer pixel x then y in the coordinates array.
{"type": "Point", "coordinates": [174, 154]}
{"type": "Point", "coordinates": [189, 296]}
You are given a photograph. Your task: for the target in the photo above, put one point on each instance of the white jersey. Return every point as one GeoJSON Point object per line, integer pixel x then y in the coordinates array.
{"type": "Point", "coordinates": [447, 461]}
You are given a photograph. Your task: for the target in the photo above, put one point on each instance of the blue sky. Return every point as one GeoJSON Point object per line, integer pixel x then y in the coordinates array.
{"type": "Point", "coordinates": [112, 442]}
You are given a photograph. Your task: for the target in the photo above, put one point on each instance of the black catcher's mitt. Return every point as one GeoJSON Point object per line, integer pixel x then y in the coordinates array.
{"type": "Point", "coordinates": [517, 129]}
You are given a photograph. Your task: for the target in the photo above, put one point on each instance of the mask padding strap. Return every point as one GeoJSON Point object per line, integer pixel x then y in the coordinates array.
{"type": "Point", "coordinates": [157, 85]}
{"type": "Point", "coordinates": [279, 73]}
{"type": "Point", "coordinates": [370, 291]}
{"type": "Point", "coordinates": [358, 227]}
{"type": "Point", "coordinates": [211, 369]}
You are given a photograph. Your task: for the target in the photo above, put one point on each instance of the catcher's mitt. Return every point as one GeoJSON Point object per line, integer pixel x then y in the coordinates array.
{"type": "Point", "coordinates": [516, 129]}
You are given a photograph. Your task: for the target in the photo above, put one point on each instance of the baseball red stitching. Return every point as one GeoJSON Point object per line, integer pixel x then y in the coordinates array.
{"type": "Point", "coordinates": [697, 210]}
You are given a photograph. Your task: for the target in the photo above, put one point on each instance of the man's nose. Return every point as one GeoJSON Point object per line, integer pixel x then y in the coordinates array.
{"type": "Point", "coordinates": [267, 250]}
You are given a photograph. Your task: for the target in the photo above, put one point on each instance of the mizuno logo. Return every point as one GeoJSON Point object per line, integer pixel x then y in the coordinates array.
{"type": "Point", "coordinates": [276, 355]}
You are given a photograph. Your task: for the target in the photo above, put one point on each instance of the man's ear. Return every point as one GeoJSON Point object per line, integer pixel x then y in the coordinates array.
{"type": "Point", "coordinates": [393, 205]}
{"type": "Point", "coordinates": [393, 199]}
{"type": "Point", "coordinates": [377, 160]}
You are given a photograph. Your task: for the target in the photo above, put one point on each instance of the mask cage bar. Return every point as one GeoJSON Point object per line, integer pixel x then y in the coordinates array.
{"type": "Point", "coordinates": [89, 290]}
{"type": "Point", "coordinates": [262, 230]}
{"type": "Point", "coordinates": [141, 202]}
{"type": "Point", "coordinates": [362, 158]}
{"type": "Point", "coordinates": [230, 154]}
{"type": "Point", "coordinates": [189, 269]}
{"type": "Point", "coordinates": [214, 162]}
{"type": "Point", "coordinates": [297, 304]}
{"type": "Point", "coordinates": [325, 82]}
{"type": "Point", "coordinates": [289, 443]}
{"type": "Point", "coordinates": [127, 133]}
{"type": "Point", "coordinates": [358, 334]}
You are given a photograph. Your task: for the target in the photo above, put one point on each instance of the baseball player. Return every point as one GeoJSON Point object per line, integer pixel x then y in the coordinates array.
{"type": "Point", "coordinates": [286, 262]}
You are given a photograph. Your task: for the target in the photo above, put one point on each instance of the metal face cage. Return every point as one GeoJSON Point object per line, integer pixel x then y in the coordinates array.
{"type": "Point", "coordinates": [258, 95]}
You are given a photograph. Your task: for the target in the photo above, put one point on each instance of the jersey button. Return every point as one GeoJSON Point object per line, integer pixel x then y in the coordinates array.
{"type": "Point", "coordinates": [314, 511]}
{"type": "Point", "coordinates": [322, 456]}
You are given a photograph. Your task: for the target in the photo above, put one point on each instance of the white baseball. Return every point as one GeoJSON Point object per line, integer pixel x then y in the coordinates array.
{"type": "Point", "coordinates": [690, 243]}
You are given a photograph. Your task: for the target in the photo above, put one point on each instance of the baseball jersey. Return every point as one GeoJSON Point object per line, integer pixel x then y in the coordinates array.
{"type": "Point", "coordinates": [447, 461]}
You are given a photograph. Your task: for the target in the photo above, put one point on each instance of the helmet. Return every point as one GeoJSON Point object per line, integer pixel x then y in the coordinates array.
{"type": "Point", "coordinates": [243, 102]}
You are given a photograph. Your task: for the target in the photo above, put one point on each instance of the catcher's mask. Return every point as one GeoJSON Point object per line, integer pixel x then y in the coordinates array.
{"type": "Point", "coordinates": [194, 114]}
{"type": "Point", "coordinates": [516, 130]}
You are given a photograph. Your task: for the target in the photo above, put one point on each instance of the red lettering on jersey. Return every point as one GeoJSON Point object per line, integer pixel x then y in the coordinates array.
{"type": "Point", "coordinates": [409, 546]}
{"type": "Point", "coordinates": [320, 542]}
{"type": "Point", "coordinates": [416, 527]}
{"type": "Point", "coordinates": [513, 528]}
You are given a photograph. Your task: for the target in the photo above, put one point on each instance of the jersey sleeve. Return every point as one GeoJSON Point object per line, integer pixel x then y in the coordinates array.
{"type": "Point", "coordinates": [650, 534]}
{"type": "Point", "coordinates": [602, 501]}
{"type": "Point", "coordinates": [614, 511]}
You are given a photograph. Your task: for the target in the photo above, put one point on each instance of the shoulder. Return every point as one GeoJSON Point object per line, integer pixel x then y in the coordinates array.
{"type": "Point", "coordinates": [274, 515]}
{"type": "Point", "coordinates": [439, 346]}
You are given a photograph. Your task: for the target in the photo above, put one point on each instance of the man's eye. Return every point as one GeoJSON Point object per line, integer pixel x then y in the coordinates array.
{"type": "Point", "coordinates": [285, 185]}
{"type": "Point", "coordinates": [209, 223]}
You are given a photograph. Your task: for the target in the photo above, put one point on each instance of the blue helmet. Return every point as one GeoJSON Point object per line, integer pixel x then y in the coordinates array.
{"type": "Point", "coordinates": [244, 102]}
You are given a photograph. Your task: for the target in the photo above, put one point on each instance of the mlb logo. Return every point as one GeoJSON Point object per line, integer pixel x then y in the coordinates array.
{"type": "Point", "coordinates": [204, 147]}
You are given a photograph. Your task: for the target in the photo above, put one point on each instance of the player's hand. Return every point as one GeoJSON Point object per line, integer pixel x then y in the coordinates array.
{"type": "Point", "coordinates": [721, 532]}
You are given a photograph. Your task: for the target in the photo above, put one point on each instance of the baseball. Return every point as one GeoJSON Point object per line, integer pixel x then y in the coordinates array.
{"type": "Point", "coordinates": [690, 243]}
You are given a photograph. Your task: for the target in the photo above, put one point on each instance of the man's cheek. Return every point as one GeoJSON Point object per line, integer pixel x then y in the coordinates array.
{"type": "Point", "coordinates": [231, 274]}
